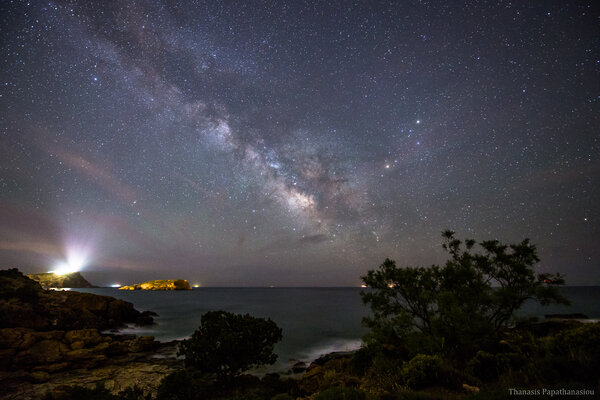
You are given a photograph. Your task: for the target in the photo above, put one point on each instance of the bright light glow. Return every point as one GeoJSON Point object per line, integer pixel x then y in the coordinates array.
{"type": "Point", "coordinates": [116, 285]}
{"type": "Point", "coordinates": [74, 263]}
{"type": "Point", "coordinates": [196, 286]}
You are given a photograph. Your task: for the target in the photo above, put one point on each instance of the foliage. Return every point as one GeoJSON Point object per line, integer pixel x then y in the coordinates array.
{"type": "Point", "coordinates": [227, 344]}
{"type": "Point", "coordinates": [335, 372]}
{"type": "Point", "coordinates": [462, 306]}
{"type": "Point", "coordinates": [341, 393]}
{"type": "Point", "coordinates": [99, 392]}
{"type": "Point", "coordinates": [183, 385]}
{"type": "Point", "coordinates": [422, 371]}
{"type": "Point", "coordinates": [282, 396]}
{"type": "Point", "coordinates": [384, 375]}
{"type": "Point", "coordinates": [572, 354]}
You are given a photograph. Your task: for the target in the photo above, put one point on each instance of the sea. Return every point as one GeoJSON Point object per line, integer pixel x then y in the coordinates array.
{"type": "Point", "coordinates": [314, 321]}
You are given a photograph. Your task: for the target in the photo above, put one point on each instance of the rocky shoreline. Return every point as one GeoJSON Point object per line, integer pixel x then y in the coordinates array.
{"type": "Point", "coordinates": [36, 363]}
{"type": "Point", "coordinates": [52, 340]}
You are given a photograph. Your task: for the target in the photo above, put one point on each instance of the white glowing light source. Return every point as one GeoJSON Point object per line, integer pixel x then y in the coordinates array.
{"type": "Point", "coordinates": [116, 285]}
{"type": "Point", "coordinates": [74, 263]}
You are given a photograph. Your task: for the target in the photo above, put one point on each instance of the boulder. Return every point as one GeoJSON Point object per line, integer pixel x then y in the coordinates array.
{"type": "Point", "coordinates": [43, 352]}
{"type": "Point", "coordinates": [299, 367]}
{"type": "Point", "coordinates": [88, 337]}
{"type": "Point", "coordinates": [39, 376]}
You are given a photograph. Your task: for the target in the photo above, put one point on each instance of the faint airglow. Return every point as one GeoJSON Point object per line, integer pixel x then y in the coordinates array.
{"type": "Point", "coordinates": [75, 262]}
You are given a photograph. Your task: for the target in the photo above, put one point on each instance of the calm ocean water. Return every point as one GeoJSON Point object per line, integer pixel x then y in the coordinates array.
{"type": "Point", "coordinates": [314, 321]}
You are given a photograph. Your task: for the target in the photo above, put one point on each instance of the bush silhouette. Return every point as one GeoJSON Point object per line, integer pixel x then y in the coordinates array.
{"type": "Point", "coordinates": [227, 344]}
{"type": "Point", "coordinates": [459, 308]}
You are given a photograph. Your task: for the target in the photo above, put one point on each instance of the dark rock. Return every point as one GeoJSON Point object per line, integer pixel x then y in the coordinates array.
{"type": "Point", "coordinates": [39, 376]}
{"type": "Point", "coordinates": [27, 349]}
{"type": "Point", "coordinates": [146, 318]}
{"type": "Point", "coordinates": [52, 339]}
{"type": "Point", "coordinates": [87, 337]}
{"type": "Point", "coordinates": [23, 303]}
{"type": "Point", "coordinates": [299, 367]}
{"type": "Point", "coordinates": [332, 356]}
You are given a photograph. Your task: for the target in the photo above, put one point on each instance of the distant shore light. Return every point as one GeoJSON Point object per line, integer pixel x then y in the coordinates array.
{"type": "Point", "coordinates": [75, 262]}
{"type": "Point", "coordinates": [64, 268]}
{"type": "Point", "coordinates": [116, 285]}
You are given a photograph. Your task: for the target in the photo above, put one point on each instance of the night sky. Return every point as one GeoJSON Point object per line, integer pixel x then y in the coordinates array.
{"type": "Point", "coordinates": [244, 143]}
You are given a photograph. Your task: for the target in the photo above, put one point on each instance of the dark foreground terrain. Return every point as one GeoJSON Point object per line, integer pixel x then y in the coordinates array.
{"type": "Point", "coordinates": [53, 346]}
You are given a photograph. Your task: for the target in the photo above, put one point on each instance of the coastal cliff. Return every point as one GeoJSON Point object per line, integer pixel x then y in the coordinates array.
{"type": "Point", "coordinates": [25, 304]}
{"type": "Point", "coordinates": [53, 339]}
{"type": "Point", "coordinates": [163, 284]}
{"type": "Point", "coordinates": [51, 280]}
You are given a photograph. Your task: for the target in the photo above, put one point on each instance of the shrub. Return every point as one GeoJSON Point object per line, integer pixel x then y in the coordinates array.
{"type": "Point", "coordinates": [282, 396]}
{"type": "Point", "coordinates": [484, 366]}
{"type": "Point", "coordinates": [383, 376]}
{"type": "Point", "coordinates": [455, 308]}
{"type": "Point", "coordinates": [226, 344]}
{"type": "Point", "coordinates": [422, 371]}
{"type": "Point", "coordinates": [183, 385]}
{"type": "Point", "coordinates": [341, 393]}
{"type": "Point", "coordinates": [572, 354]}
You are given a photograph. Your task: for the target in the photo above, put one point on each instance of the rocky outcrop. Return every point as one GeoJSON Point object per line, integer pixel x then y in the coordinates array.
{"type": "Point", "coordinates": [30, 350]}
{"type": "Point", "coordinates": [164, 284]}
{"type": "Point", "coordinates": [51, 340]}
{"type": "Point", "coordinates": [35, 363]}
{"type": "Point", "coordinates": [24, 304]}
{"type": "Point", "coordinates": [144, 373]}
{"type": "Point", "coordinates": [51, 280]}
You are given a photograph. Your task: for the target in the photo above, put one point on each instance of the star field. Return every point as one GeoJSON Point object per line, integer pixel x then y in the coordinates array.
{"type": "Point", "coordinates": [238, 143]}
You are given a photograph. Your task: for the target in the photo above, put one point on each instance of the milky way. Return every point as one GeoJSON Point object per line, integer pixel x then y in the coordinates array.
{"type": "Point", "coordinates": [241, 143]}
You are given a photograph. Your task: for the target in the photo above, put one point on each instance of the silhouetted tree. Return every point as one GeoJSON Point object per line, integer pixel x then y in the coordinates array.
{"type": "Point", "coordinates": [227, 344]}
{"type": "Point", "coordinates": [461, 306]}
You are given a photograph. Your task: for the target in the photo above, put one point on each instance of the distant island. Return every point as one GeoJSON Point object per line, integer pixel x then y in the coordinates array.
{"type": "Point", "coordinates": [161, 284]}
{"type": "Point", "coordinates": [49, 280]}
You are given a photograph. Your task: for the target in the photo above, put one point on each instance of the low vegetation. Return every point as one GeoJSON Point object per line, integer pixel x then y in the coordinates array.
{"type": "Point", "coordinates": [226, 344]}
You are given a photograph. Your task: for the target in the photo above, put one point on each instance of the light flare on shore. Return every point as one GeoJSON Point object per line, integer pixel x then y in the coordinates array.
{"type": "Point", "coordinates": [75, 262]}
